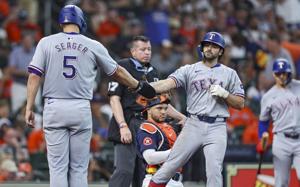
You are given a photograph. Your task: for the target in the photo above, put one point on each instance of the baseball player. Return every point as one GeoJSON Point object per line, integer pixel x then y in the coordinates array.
{"type": "Point", "coordinates": [281, 104]}
{"type": "Point", "coordinates": [210, 87]}
{"type": "Point", "coordinates": [155, 139]}
{"type": "Point", "coordinates": [68, 62]}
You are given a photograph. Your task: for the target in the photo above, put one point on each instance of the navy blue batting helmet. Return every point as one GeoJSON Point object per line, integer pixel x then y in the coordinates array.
{"type": "Point", "coordinates": [215, 38]}
{"type": "Point", "coordinates": [211, 37]}
{"type": "Point", "coordinates": [281, 65]}
{"type": "Point", "coordinates": [72, 14]}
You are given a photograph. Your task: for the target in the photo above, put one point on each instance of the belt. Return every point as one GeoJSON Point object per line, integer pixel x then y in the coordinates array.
{"type": "Point", "coordinates": [209, 119]}
{"type": "Point", "coordinates": [292, 135]}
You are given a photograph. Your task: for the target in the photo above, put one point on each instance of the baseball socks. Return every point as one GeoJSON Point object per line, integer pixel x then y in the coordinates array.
{"type": "Point", "coordinates": [153, 184]}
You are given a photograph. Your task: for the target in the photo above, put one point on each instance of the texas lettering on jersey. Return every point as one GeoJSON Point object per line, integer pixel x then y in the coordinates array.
{"type": "Point", "coordinates": [204, 84]}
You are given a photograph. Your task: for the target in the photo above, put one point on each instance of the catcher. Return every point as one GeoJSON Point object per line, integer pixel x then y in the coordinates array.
{"type": "Point", "coordinates": [155, 139]}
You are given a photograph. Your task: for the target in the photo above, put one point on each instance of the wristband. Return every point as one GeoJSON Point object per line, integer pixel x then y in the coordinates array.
{"type": "Point", "coordinates": [122, 124]}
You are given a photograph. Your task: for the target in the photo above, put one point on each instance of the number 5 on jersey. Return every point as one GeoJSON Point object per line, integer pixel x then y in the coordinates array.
{"type": "Point", "coordinates": [69, 69]}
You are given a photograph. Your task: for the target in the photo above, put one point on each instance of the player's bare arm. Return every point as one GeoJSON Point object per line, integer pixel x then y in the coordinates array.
{"type": "Point", "coordinates": [32, 88]}
{"type": "Point", "coordinates": [175, 114]}
{"type": "Point", "coordinates": [141, 87]}
{"type": "Point", "coordinates": [115, 103]}
{"type": "Point", "coordinates": [235, 101]}
{"type": "Point", "coordinates": [123, 76]}
{"type": "Point", "coordinates": [165, 85]}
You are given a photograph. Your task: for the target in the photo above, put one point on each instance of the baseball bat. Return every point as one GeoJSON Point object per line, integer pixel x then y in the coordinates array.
{"type": "Point", "coordinates": [264, 142]}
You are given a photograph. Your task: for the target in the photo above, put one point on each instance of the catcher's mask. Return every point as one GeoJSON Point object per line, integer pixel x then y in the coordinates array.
{"type": "Point", "coordinates": [72, 14]}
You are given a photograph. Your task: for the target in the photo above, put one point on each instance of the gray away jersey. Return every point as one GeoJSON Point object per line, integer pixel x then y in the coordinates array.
{"type": "Point", "coordinates": [197, 78]}
{"type": "Point", "coordinates": [69, 63]}
{"type": "Point", "coordinates": [283, 107]}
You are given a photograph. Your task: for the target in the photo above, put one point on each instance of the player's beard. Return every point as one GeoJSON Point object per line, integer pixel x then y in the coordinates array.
{"type": "Point", "coordinates": [158, 119]}
{"type": "Point", "coordinates": [209, 56]}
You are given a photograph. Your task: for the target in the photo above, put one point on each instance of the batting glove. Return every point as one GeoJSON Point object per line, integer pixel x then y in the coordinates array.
{"type": "Point", "coordinates": [217, 90]}
{"type": "Point", "coordinates": [145, 89]}
{"type": "Point", "coordinates": [259, 148]}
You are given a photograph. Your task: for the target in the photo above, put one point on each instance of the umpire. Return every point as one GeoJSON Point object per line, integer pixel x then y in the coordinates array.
{"type": "Point", "coordinates": [126, 107]}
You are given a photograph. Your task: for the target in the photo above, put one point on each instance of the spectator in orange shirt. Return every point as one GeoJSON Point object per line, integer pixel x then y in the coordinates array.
{"type": "Point", "coordinates": [250, 134]}
{"type": "Point", "coordinates": [110, 28]}
{"type": "Point", "coordinates": [4, 9]}
{"type": "Point", "coordinates": [244, 117]}
{"type": "Point", "coordinates": [293, 48]}
{"type": "Point", "coordinates": [16, 25]}
{"type": "Point", "coordinates": [36, 141]}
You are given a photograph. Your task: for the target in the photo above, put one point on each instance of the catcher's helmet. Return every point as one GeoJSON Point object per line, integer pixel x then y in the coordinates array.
{"type": "Point", "coordinates": [72, 14]}
{"type": "Point", "coordinates": [211, 37]}
{"type": "Point", "coordinates": [281, 65]}
{"type": "Point", "coordinates": [160, 99]}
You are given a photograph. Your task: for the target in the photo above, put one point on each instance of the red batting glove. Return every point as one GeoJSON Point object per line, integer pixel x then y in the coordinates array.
{"type": "Point", "coordinates": [259, 148]}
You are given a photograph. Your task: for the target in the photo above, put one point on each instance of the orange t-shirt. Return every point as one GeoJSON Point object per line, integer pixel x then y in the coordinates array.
{"type": "Point", "coordinates": [293, 48]}
{"type": "Point", "coordinates": [4, 8]}
{"type": "Point", "coordinates": [35, 141]}
{"type": "Point", "coordinates": [242, 117]}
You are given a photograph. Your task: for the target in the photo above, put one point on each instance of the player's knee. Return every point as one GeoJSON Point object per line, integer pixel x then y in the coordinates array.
{"type": "Point", "coordinates": [214, 170]}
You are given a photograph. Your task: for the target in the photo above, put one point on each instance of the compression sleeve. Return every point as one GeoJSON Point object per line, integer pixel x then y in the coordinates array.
{"type": "Point", "coordinates": [262, 127]}
{"type": "Point", "coordinates": [153, 157]}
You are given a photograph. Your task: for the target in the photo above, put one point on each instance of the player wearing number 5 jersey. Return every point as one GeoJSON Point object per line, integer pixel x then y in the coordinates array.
{"type": "Point", "coordinates": [68, 63]}
{"type": "Point", "coordinates": [211, 88]}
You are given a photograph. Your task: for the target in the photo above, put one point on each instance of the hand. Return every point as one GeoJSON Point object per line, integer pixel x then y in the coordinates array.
{"type": "Point", "coordinates": [217, 90]}
{"type": "Point", "coordinates": [126, 136]}
{"type": "Point", "coordinates": [263, 143]}
{"type": "Point", "coordinates": [29, 118]}
{"type": "Point", "coordinates": [182, 121]}
{"type": "Point", "coordinates": [145, 89]}
{"type": "Point", "coordinates": [259, 148]}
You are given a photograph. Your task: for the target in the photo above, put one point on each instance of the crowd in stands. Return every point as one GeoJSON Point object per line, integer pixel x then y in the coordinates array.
{"type": "Point", "coordinates": [256, 33]}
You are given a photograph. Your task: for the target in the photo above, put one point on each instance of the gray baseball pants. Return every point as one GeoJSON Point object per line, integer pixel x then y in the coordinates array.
{"type": "Point", "coordinates": [195, 133]}
{"type": "Point", "coordinates": [68, 129]}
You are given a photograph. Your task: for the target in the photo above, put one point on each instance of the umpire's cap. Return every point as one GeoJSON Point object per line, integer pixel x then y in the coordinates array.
{"type": "Point", "coordinates": [72, 14]}
{"type": "Point", "coordinates": [281, 65]}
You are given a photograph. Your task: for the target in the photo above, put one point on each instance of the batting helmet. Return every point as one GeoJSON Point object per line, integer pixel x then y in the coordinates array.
{"type": "Point", "coordinates": [72, 14]}
{"type": "Point", "coordinates": [281, 65]}
{"type": "Point", "coordinates": [211, 37]}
